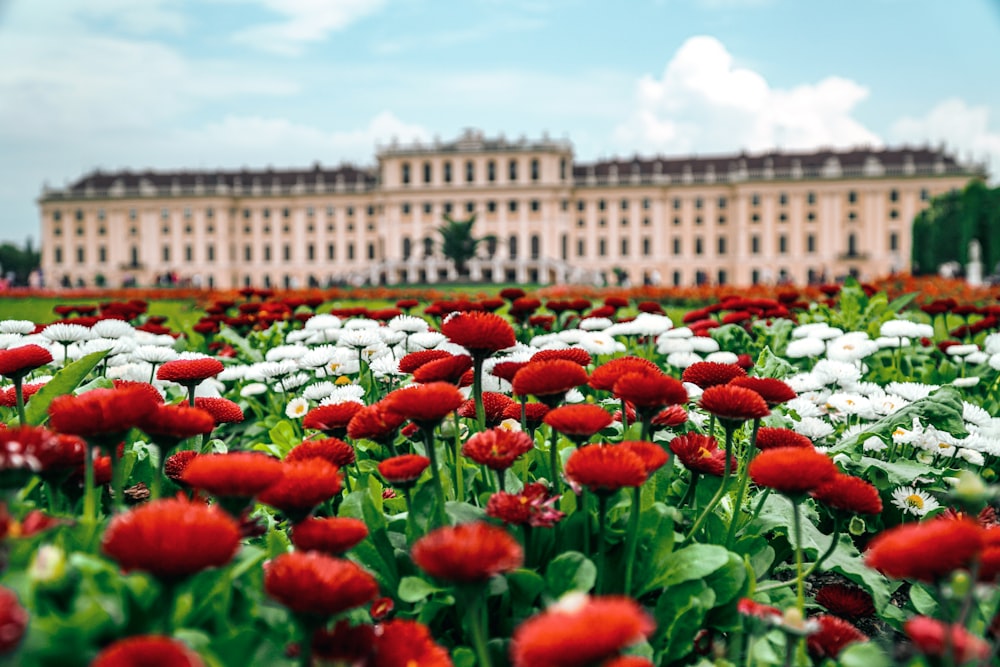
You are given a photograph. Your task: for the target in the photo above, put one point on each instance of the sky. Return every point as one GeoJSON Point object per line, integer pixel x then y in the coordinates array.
{"type": "Point", "coordinates": [206, 84]}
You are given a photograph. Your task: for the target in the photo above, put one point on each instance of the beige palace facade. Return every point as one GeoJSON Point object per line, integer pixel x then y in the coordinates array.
{"type": "Point", "coordinates": [729, 219]}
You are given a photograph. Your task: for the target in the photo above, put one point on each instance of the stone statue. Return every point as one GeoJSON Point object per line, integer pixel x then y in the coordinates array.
{"type": "Point", "coordinates": [974, 271]}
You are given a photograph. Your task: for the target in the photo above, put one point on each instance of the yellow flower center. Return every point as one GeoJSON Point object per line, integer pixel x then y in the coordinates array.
{"type": "Point", "coordinates": [915, 500]}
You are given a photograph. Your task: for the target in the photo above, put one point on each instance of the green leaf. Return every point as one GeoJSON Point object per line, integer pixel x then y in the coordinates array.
{"type": "Point", "coordinates": [680, 614]}
{"type": "Point", "coordinates": [733, 338]}
{"type": "Point", "coordinates": [283, 435]}
{"type": "Point", "coordinates": [525, 587]}
{"type": "Point", "coordinates": [415, 589]}
{"type": "Point", "coordinates": [240, 343]}
{"type": "Point", "coordinates": [729, 581]}
{"type": "Point", "coordinates": [463, 657]}
{"type": "Point", "coordinates": [63, 382]}
{"type": "Point", "coordinates": [570, 571]}
{"type": "Point", "coordinates": [863, 654]}
{"type": "Point", "coordinates": [770, 365]}
{"type": "Point", "coordinates": [923, 600]}
{"type": "Point", "coordinates": [696, 561]}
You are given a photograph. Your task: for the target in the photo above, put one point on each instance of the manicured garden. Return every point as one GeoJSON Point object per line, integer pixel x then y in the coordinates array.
{"type": "Point", "coordinates": [549, 479]}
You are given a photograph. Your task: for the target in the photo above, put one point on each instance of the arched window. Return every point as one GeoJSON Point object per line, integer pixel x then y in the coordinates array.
{"type": "Point", "coordinates": [428, 247]}
{"type": "Point", "coordinates": [536, 246]}
{"type": "Point", "coordinates": [852, 244]}
{"type": "Point", "coordinates": [406, 173]}
{"type": "Point", "coordinates": [407, 248]}
{"type": "Point", "coordinates": [470, 171]}
{"type": "Point", "coordinates": [427, 172]}
{"type": "Point", "coordinates": [512, 247]}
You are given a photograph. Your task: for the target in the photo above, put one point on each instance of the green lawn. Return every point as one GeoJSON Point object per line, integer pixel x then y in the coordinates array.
{"type": "Point", "coordinates": [180, 314]}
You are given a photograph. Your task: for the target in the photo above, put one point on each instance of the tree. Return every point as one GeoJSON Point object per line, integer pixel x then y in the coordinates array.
{"type": "Point", "coordinates": [458, 243]}
{"type": "Point", "coordinates": [19, 261]}
{"type": "Point", "coordinates": [942, 231]}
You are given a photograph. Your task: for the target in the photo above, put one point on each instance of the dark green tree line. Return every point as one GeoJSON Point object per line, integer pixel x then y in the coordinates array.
{"type": "Point", "coordinates": [942, 232]}
{"type": "Point", "coordinates": [18, 261]}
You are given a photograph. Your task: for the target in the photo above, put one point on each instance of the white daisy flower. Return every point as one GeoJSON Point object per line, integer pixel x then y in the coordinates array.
{"type": "Point", "coordinates": [874, 444]}
{"type": "Point", "coordinates": [323, 321]}
{"type": "Point", "coordinates": [232, 373]}
{"type": "Point", "coordinates": [914, 501]}
{"type": "Point", "coordinates": [911, 391]}
{"type": "Point", "coordinates": [361, 324]}
{"type": "Point", "coordinates": [271, 370]}
{"type": "Point", "coordinates": [115, 346]}
{"type": "Point", "coordinates": [358, 339]}
{"type": "Point", "coordinates": [323, 336]}
{"type": "Point", "coordinates": [595, 323]}
{"type": "Point", "coordinates": [704, 344]}
{"type": "Point", "coordinates": [253, 389]}
{"type": "Point", "coordinates": [888, 342]}
{"type": "Point", "coordinates": [66, 333]}
{"type": "Point", "coordinates": [346, 392]}
{"type": "Point", "coordinates": [962, 350]}
{"type": "Point", "coordinates": [887, 404]}
{"type": "Point", "coordinates": [813, 428]}
{"type": "Point", "coordinates": [805, 347]}
{"type": "Point", "coordinates": [391, 337]}
{"type": "Point", "coordinates": [427, 340]}
{"type": "Point", "coordinates": [975, 414]}
{"type": "Point", "coordinates": [113, 329]}
{"type": "Point", "coordinates": [317, 357]}
{"type": "Point", "coordinates": [905, 329]}
{"type": "Point", "coordinates": [971, 456]}
{"type": "Point", "coordinates": [22, 327]}
{"type": "Point", "coordinates": [977, 358]}
{"type": "Point", "coordinates": [297, 408]}
{"type": "Point", "coordinates": [284, 352]}
{"type": "Point", "coordinates": [9, 340]}
{"type": "Point", "coordinates": [291, 382]}
{"type": "Point", "coordinates": [599, 342]}
{"type": "Point", "coordinates": [803, 407]}
{"type": "Point", "coordinates": [574, 396]}
{"type": "Point", "coordinates": [682, 359]}
{"type": "Point", "coordinates": [991, 344]}
{"type": "Point", "coordinates": [409, 324]}
{"type": "Point", "coordinates": [133, 372]}
{"type": "Point", "coordinates": [851, 347]}
{"type": "Point", "coordinates": [297, 336]}
{"type": "Point", "coordinates": [849, 403]}
{"type": "Point", "coordinates": [803, 382]}
{"type": "Point", "coordinates": [668, 346]}
{"type": "Point", "coordinates": [722, 357]}
{"type": "Point", "coordinates": [694, 392]}
{"type": "Point", "coordinates": [318, 390]}
{"type": "Point", "coordinates": [994, 362]}
{"type": "Point", "coordinates": [154, 354]}
{"type": "Point", "coordinates": [386, 366]}
{"type": "Point", "coordinates": [679, 332]}
{"type": "Point", "coordinates": [971, 381]}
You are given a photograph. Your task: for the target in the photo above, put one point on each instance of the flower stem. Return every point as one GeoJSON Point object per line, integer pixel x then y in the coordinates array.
{"type": "Point", "coordinates": [602, 565]}
{"type": "Point", "coordinates": [476, 611]}
{"type": "Point", "coordinates": [624, 419]}
{"type": "Point", "coordinates": [459, 485]}
{"type": "Point", "coordinates": [727, 472]}
{"type": "Point", "coordinates": [191, 388]}
{"type": "Point", "coordinates": [89, 499]}
{"type": "Point", "coordinates": [477, 391]}
{"type": "Point", "coordinates": [632, 538]}
{"type": "Point", "coordinates": [19, 400]}
{"type": "Point", "coordinates": [435, 472]}
{"type": "Point", "coordinates": [800, 595]}
{"type": "Point", "coordinates": [742, 487]}
{"type": "Point", "coordinates": [554, 460]}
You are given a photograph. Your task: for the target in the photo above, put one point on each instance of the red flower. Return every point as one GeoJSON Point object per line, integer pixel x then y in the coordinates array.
{"type": "Point", "coordinates": [605, 469]}
{"type": "Point", "coordinates": [772, 438]}
{"type": "Point", "coordinates": [646, 390]}
{"type": "Point", "coordinates": [17, 362]}
{"type": "Point", "coordinates": [334, 450]}
{"type": "Point", "coordinates": [171, 538]}
{"type": "Point", "coordinates": [100, 414]}
{"type": "Point", "coordinates": [506, 370]}
{"type": "Point", "coordinates": [148, 651]}
{"type": "Point", "coordinates": [381, 608]}
{"type": "Point", "coordinates": [653, 456]}
{"type": "Point", "coordinates": [404, 469]}
{"type": "Point", "coordinates": [8, 397]}
{"type": "Point", "coordinates": [189, 371]}
{"type": "Point", "coordinates": [929, 636]}
{"type": "Point", "coordinates": [579, 421]}
{"type": "Point", "coordinates": [332, 535]}
{"type": "Point", "coordinates": [925, 551]}
{"type": "Point", "coordinates": [670, 417]}
{"type": "Point", "coordinates": [13, 621]}
{"type": "Point", "coordinates": [467, 553]}
{"type": "Point", "coordinates": [448, 369]}
{"type": "Point", "coordinates": [512, 293]}
{"type": "Point", "coordinates": [304, 485]}
{"type": "Point", "coordinates": [845, 601]}
{"type": "Point", "coordinates": [764, 612]}
{"type": "Point", "coordinates": [414, 360]}
{"type": "Point", "coordinates": [176, 464]}
{"type": "Point", "coordinates": [628, 661]}
{"type": "Point", "coordinates": [549, 380]}
{"type": "Point", "coordinates": [579, 630]}
{"type": "Point", "coordinates": [425, 404]}
{"type": "Point", "coordinates": [989, 559]}
{"type": "Point", "coordinates": [733, 404]}
{"type": "Point", "coordinates": [308, 582]}
{"type": "Point", "coordinates": [497, 448]}
{"type": "Point", "coordinates": [408, 644]}
{"type": "Point", "coordinates": [345, 644]}
{"type": "Point", "coordinates": [605, 375]}
{"type": "Point", "coordinates": [173, 423]}
{"type": "Point", "coordinates": [534, 413]}
{"type": "Point", "coordinates": [772, 390]}
{"type": "Point", "coordinates": [153, 392]}
{"type": "Point", "coordinates": [223, 410]}
{"type": "Point", "coordinates": [533, 506]}
{"type": "Point", "coordinates": [792, 470]}
{"type": "Point", "coordinates": [494, 405]}
{"type": "Point", "coordinates": [38, 450]}
{"type": "Point", "coordinates": [850, 494]}
{"type": "Point", "coordinates": [332, 419]}
{"type": "Point", "coordinates": [701, 454]}
{"type": "Point", "coordinates": [833, 636]}
{"type": "Point", "coordinates": [233, 475]}
{"type": "Point", "coordinates": [480, 333]}
{"type": "Point", "coordinates": [707, 374]}
{"type": "Point", "coordinates": [374, 422]}
{"type": "Point", "coordinates": [575, 354]}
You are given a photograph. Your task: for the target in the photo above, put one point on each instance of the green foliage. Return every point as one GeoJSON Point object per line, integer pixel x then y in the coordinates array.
{"type": "Point", "coordinates": [64, 382]}
{"type": "Point", "coordinates": [942, 231]}
{"type": "Point", "coordinates": [19, 261]}
{"type": "Point", "coordinates": [458, 243]}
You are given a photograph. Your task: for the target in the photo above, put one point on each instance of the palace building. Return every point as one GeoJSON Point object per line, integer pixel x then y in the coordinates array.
{"type": "Point", "coordinates": [725, 219]}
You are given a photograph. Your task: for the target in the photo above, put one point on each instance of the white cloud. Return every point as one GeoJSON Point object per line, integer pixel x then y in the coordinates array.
{"type": "Point", "coordinates": [958, 125]}
{"type": "Point", "coordinates": [706, 102]}
{"type": "Point", "coordinates": [304, 21]}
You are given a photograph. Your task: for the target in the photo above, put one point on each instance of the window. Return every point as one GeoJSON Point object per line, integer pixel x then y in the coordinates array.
{"type": "Point", "coordinates": [811, 216]}
{"type": "Point", "coordinates": [722, 202]}
{"type": "Point", "coordinates": [755, 276]}
{"type": "Point", "coordinates": [166, 253]}
{"type": "Point", "coordinates": [624, 204]}
{"type": "Point", "coordinates": [564, 247]}
{"type": "Point", "coordinates": [536, 246]}
{"type": "Point", "coordinates": [406, 208]}
{"type": "Point", "coordinates": [491, 171]}
{"type": "Point", "coordinates": [698, 202]}
{"type": "Point", "coordinates": [852, 215]}
{"type": "Point", "coordinates": [491, 206]}
{"type": "Point", "coordinates": [286, 213]}
{"type": "Point", "coordinates": [722, 245]}
{"type": "Point", "coordinates": [535, 205]}
{"type": "Point", "coordinates": [581, 222]}
{"type": "Point", "coordinates": [676, 278]}
{"type": "Point", "coordinates": [512, 206]}
{"type": "Point", "coordinates": [698, 246]}
{"type": "Point", "coordinates": [580, 205]}
{"type": "Point", "coordinates": [782, 199]}
{"type": "Point", "coordinates": [470, 206]}
{"type": "Point", "coordinates": [350, 211]}
{"type": "Point", "coordinates": [894, 214]}
{"type": "Point", "coordinates": [447, 172]}
{"type": "Point", "coordinates": [350, 251]}
{"type": "Point", "coordinates": [562, 169]}
{"type": "Point", "coordinates": [512, 170]}
{"type": "Point", "coordinates": [188, 253]}
{"type": "Point", "coordinates": [624, 222]}
{"type": "Point", "coordinates": [811, 198]}
{"type": "Point", "coordinates": [698, 220]}
{"type": "Point", "coordinates": [447, 207]}
{"type": "Point", "coordinates": [428, 172]}
{"type": "Point", "coordinates": [646, 222]}
{"type": "Point", "coordinates": [371, 210]}
{"type": "Point", "coordinates": [371, 251]}
{"type": "Point", "coordinates": [267, 253]}
{"type": "Point", "coordinates": [428, 207]}
{"type": "Point", "coordinates": [102, 254]}
{"type": "Point", "coordinates": [755, 217]}
{"type": "Point", "coordinates": [624, 247]}
{"type": "Point", "coordinates": [783, 217]}
{"type": "Point", "coordinates": [852, 197]}
{"type": "Point", "coordinates": [187, 229]}
{"type": "Point", "coordinates": [722, 277]}
{"type": "Point", "coordinates": [893, 240]}
{"type": "Point", "coordinates": [210, 253]}
{"type": "Point", "coordinates": [512, 247]}
{"type": "Point", "coordinates": [267, 213]}
{"type": "Point", "coordinates": [925, 194]}
{"type": "Point", "coordinates": [782, 244]}
{"type": "Point", "coordinates": [246, 214]}
{"type": "Point", "coordinates": [677, 221]}
{"type": "Point", "coordinates": [79, 230]}
{"type": "Point", "coordinates": [647, 246]}
{"type": "Point", "coordinates": [580, 247]}
{"type": "Point", "coordinates": [646, 203]}
{"type": "Point", "coordinates": [810, 243]}
{"type": "Point", "coordinates": [405, 176]}
{"type": "Point", "coordinates": [164, 214]}
{"type": "Point", "coordinates": [134, 255]}
{"type": "Point", "coordinates": [132, 214]}
{"type": "Point", "coordinates": [755, 199]}
{"type": "Point", "coordinates": [677, 246]}
{"type": "Point", "coordinates": [535, 175]}
{"type": "Point", "coordinates": [602, 247]}
{"type": "Point", "coordinates": [852, 245]}
{"type": "Point", "coordinates": [601, 205]}
{"type": "Point", "coordinates": [58, 255]}
{"type": "Point", "coordinates": [331, 251]}
{"type": "Point", "coordinates": [102, 230]}
{"type": "Point", "coordinates": [58, 231]}
{"type": "Point", "coordinates": [893, 195]}
{"type": "Point", "coordinates": [247, 253]}
{"type": "Point", "coordinates": [187, 213]}
{"type": "Point", "coordinates": [407, 248]}
{"type": "Point", "coordinates": [100, 213]}
{"type": "Point", "coordinates": [286, 252]}
{"type": "Point", "coordinates": [602, 222]}
{"type": "Point", "coordinates": [57, 215]}
{"type": "Point", "coordinates": [564, 205]}
{"type": "Point", "coordinates": [677, 203]}
{"type": "Point", "coordinates": [722, 219]}
{"type": "Point", "coordinates": [754, 245]}
{"type": "Point", "coordinates": [470, 171]}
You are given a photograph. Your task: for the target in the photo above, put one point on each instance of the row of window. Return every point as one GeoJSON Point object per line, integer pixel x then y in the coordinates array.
{"type": "Point", "coordinates": [513, 167]}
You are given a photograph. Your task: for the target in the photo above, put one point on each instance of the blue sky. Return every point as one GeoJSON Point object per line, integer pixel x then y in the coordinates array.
{"type": "Point", "coordinates": [228, 83]}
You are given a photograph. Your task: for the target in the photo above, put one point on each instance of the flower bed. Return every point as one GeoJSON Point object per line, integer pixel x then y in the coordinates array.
{"type": "Point", "coordinates": [539, 481]}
